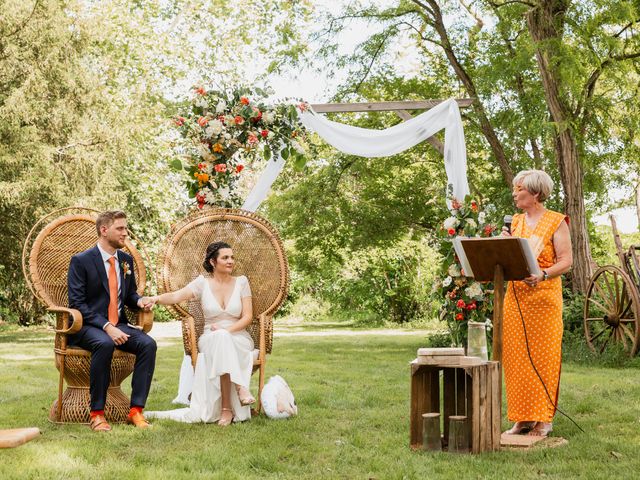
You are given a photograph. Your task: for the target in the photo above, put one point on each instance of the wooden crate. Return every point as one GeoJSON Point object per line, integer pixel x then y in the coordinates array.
{"type": "Point", "coordinates": [474, 391]}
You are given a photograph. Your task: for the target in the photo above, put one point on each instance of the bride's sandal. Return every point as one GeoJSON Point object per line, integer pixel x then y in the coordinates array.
{"type": "Point", "coordinates": [245, 396]}
{"type": "Point", "coordinates": [520, 428]}
{"type": "Point", "coordinates": [541, 429]}
{"type": "Point", "coordinates": [225, 420]}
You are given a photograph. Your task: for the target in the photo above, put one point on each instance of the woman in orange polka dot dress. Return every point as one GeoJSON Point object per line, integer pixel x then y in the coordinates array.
{"type": "Point", "coordinates": [540, 300]}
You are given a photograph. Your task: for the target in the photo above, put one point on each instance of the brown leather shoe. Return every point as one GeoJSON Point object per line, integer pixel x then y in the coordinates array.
{"type": "Point", "coordinates": [99, 424]}
{"type": "Point", "coordinates": [138, 420]}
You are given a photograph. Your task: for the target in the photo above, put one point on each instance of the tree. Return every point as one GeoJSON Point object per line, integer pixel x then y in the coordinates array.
{"type": "Point", "coordinates": [543, 91]}
{"type": "Point", "coordinates": [87, 93]}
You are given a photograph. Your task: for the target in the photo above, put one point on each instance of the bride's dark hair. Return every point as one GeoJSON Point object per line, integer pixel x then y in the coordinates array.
{"type": "Point", "coordinates": [212, 253]}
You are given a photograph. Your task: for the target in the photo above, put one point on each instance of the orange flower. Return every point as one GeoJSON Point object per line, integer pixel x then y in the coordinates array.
{"type": "Point", "coordinates": [239, 120]}
{"type": "Point", "coordinates": [252, 139]}
{"type": "Point", "coordinates": [244, 100]}
{"type": "Point", "coordinates": [474, 206]}
{"type": "Point", "coordinates": [455, 204]}
{"type": "Point", "coordinates": [459, 317]}
{"type": "Point", "coordinates": [217, 148]}
{"type": "Point", "coordinates": [179, 121]}
{"type": "Point", "coordinates": [239, 168]}
{"type": "Point", "coordinates": [451, 231]}
{"type": "Point", "coordinates": [202, 121]}
{"type": "Point", "coordinates": [201, 91]}
{"type": "Point", "coordinates": [220, 167]}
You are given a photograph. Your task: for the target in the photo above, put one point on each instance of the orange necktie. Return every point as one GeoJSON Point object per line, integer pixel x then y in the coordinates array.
{"type": "Point", "coordinates": [113, 292]}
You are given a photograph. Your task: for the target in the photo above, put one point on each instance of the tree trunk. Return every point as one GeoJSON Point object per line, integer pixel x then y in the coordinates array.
{"type": "Point", "coordinates": [546, 24]}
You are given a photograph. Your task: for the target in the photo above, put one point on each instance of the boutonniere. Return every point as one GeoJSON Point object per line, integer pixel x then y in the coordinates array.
{"type": "Point", "coordinates": [125, 268]}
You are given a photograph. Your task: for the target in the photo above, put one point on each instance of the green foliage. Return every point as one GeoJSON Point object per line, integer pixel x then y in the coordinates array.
{"type": "Point", "coordinates": [86, 94]}
{"type": "Point", "coordinates": [573, 311]}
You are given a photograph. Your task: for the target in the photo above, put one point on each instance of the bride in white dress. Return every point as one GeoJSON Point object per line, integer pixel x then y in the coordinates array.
{"type": "Point", "coordinates": [225, 359]}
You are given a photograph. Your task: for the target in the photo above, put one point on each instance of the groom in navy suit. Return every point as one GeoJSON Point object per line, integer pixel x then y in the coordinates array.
{"type": "Point", "coordinates": [101, 282]}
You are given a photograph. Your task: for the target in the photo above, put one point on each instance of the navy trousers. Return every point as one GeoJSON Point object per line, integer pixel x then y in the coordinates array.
{"type": "Point", "coordinates": [101, 347]}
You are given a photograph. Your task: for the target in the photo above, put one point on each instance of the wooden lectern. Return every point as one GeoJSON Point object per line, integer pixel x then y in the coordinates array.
{"type": "Point", "coordinates": [496, 259]}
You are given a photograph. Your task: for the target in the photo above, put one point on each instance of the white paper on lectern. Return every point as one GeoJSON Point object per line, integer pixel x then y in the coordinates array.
{"type": "Point", "coordinates": [464, 262]}
{"type": "Point", "coordinates": [532, 262]}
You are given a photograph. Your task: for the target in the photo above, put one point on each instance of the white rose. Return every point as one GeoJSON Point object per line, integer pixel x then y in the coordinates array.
{"type": "Point", "coordinates": [451, 222]}
{"type": "Point", "coordinates": [221, 107]}
{"type": "Point", "coordinates": [224, 192]}
{"type": "Point", "coordinates": [215, 128]}
{"type": "Point", "coordinates": [268, 117]}
{"type": "Point", "coordinates": [474, 291]}
{"type": "Point", "coordinates": [471, 223]}
{"type": "Point", "coordinates": [201, 101]}
{"type": "Point", "coordinates": [447, 281]}
{"type": "Point", "coordinates": [454, 271]}
{"type": "Point", "coordinates": [481, 217]}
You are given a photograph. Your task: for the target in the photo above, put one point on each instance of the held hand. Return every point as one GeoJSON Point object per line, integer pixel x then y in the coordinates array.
{"type": "Point", "coordinates": [117, 335]}
{"type": "Point", "coordinates": [147, 303]}
{"type": "Point", "coordinates": [505, 232]}
{"type": "Point", "coordinates": [215, 327]}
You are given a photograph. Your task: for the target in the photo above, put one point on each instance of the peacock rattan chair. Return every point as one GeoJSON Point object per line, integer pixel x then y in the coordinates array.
{"type": "Point", "coordinates": [259, 255]}
{"type": "Point", "coordinates": [46, 254]}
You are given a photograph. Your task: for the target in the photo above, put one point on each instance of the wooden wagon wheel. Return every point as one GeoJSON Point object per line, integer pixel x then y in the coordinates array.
{"type": "Point", "coordinates": [612, 311]}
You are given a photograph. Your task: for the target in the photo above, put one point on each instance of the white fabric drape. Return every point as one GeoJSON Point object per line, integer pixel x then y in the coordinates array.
{"type": "Point", "coordinates": [383, 143]}
{"type": "Point", "coordinates": [260, 190]}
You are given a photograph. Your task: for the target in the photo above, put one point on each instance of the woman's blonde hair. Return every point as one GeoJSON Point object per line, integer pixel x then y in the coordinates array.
{"type": "Point", "coordinates": [535, 182]}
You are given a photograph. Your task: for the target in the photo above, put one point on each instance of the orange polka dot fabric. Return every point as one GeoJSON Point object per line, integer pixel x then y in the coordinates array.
{"type": "Point", "coordinates": [541, 308]}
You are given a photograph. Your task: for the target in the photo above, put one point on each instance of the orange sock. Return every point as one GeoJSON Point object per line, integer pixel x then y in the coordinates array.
{"type": "Point", "coordinates": [94, 413]}
{"type": "Point", "coordinates": [134, 410]}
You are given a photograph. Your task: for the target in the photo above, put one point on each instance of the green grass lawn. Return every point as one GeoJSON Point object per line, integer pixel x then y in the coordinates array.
{"type": "Point", "coordinates": [353, 422]}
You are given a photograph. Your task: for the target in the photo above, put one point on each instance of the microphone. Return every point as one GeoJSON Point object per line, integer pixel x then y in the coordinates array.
{"type": "Point", "coordinates": [507, 222]}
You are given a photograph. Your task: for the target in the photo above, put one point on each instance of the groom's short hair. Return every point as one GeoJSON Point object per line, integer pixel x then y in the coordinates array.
{"type": "Point", "coordinates": [107, 218]}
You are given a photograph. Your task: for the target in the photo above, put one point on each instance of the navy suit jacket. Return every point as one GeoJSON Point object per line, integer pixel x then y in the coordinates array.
{"type": "Point", "coordinates": [88, 287]}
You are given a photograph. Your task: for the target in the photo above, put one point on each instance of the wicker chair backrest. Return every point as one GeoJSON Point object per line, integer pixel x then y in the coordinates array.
{"type": "Point", "coordinates": [52, 250]}
{"type": "Point", "coordinates": [258, 252]}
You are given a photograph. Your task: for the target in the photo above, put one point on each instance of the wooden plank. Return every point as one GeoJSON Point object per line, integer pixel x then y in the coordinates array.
{"type": "Point", "coordinates": [384, 106]}
{"type": "Point", "coordinates": [434, 391]}
{"type": "Point", "coordinates": [17, 436]}
{"type": "Point", "coordinates": [485, 426]}
{"type": "Point", "coordinates": [424, 394]}
{"type": "Point", "coordinates": [445, 361]}
{"type": "Point", "coordinates": [498, 308]}
{"type": "Point", "coordinates": [475, 409]}
{"type": "Point", "coordinates": [441, 352]}
{"type": "Point", "coordinates": [461, 393]}
{"type": "Point", "coordinates": [496, 405]}
{"type": "Point", "coordinates": [418, 389]}
{"type": "Point", "coordinates": [448, 400]}
{"type": "Point", "coordinates": [471, 361]}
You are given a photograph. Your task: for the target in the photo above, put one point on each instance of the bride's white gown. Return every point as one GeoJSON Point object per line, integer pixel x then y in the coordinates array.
{"type": "Point", "coordinates": [220, 352]}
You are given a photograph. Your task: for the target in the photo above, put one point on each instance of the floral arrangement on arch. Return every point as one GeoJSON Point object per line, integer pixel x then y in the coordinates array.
{"type": "Point", "coordinates": [463, 299]}
{"type": "Point", "coordinates": [227, 131]}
